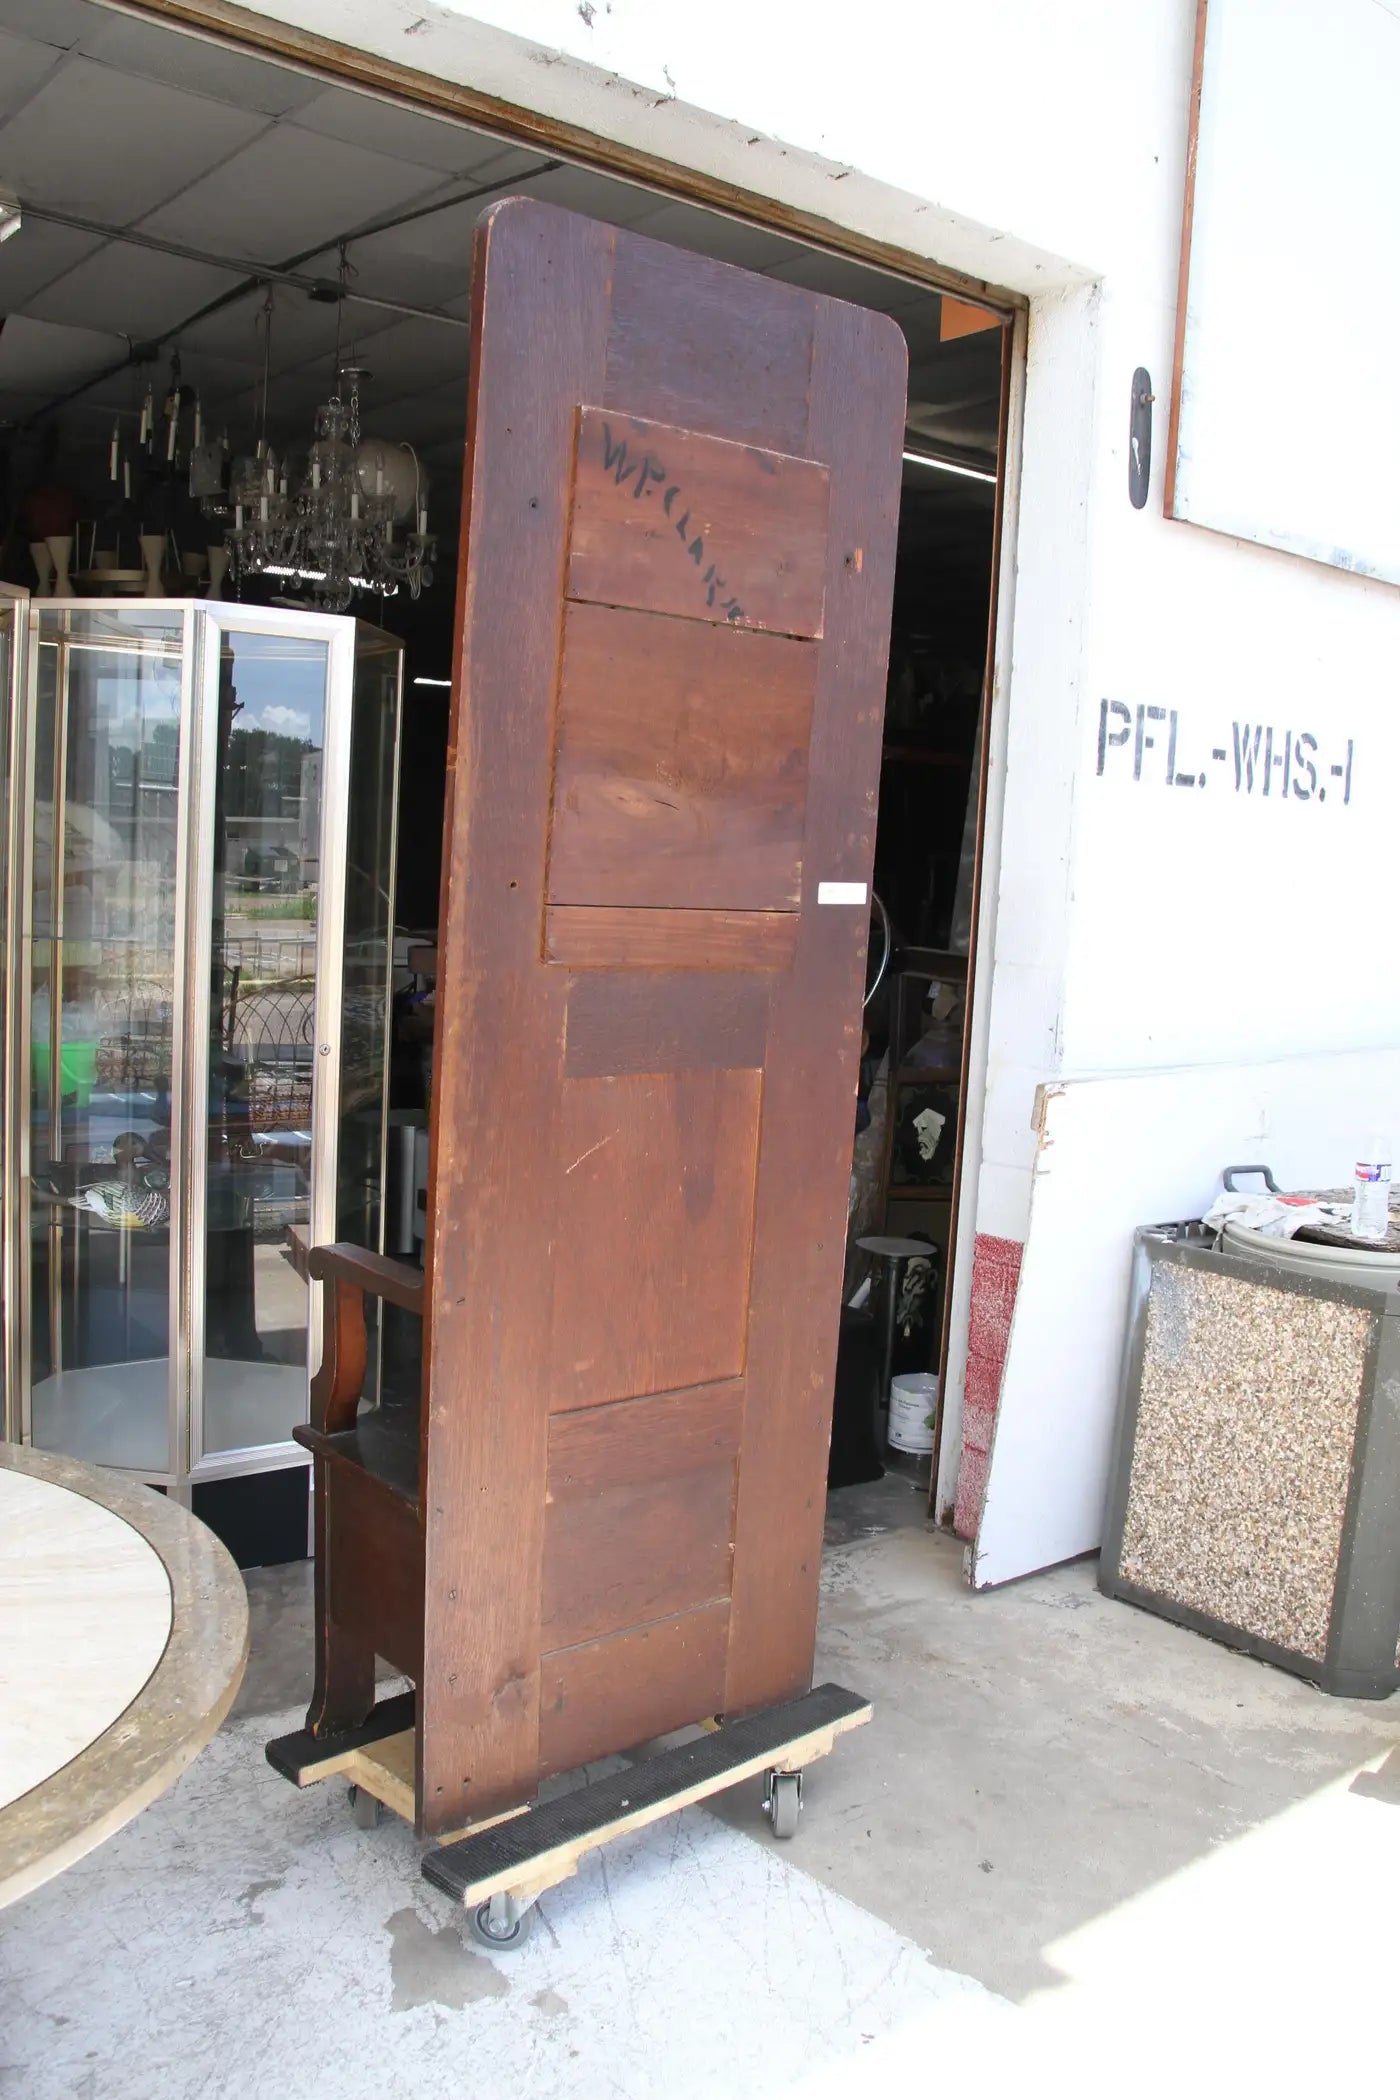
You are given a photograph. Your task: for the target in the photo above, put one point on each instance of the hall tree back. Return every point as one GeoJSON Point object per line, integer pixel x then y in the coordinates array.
{"type": "Point", "coordinates": [674, 600]}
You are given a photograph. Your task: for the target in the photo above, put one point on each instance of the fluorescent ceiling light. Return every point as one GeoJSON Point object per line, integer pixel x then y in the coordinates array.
{"type": "Point", "coordinates": [948, 466]}
{"type": "Point", "coordinates": [9, 214]}
{"type": "Point", "coordinates": [432, 681]}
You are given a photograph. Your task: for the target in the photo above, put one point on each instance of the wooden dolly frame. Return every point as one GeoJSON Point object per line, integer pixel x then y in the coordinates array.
{"type": "Point", "coordinates": [500, 1867]}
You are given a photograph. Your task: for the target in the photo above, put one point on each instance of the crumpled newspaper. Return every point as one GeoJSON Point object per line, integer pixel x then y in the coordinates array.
{"type": "Point", "coordinates": [1278, 1217]}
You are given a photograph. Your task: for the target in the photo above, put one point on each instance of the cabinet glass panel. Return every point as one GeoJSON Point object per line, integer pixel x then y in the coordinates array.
{"type": "Point", "coordinates": [368, 941]}
{"type": "Point", "coordinates": [367, 958]}
{"type": "Point", "coordinates": [257, 1156]}
{"type": "Point", "coordinates": [106, 844]}
{"type": "Point", "coordinates": [10, 604]}
{"type": "Point", "coordinates": [199, 939]}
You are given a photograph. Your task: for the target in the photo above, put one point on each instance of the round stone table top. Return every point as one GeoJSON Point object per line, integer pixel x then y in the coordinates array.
{"type": "Point", "coordinates": [123, 1638]}
{"type": "Point", "coordinates": [891, 1248]}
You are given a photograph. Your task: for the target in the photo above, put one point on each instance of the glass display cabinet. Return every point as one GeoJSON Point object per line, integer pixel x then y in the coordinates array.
{"type": "Point", "coordinates": [12, 605]}
{"type": "Point", "coordinates": [199, 927]}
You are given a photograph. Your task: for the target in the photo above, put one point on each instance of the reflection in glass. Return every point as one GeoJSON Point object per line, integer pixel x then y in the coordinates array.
{"type": "Point", "coordinates": [262, 1033]}
{"type": "Point", "coordinates": [8, 645]}
{"type": "Point", "coordinates": [170, 1070]}
{"type": "Point", "coordinates": [105, 854]}
{"type": "Point", "coordinates": [368, 956]}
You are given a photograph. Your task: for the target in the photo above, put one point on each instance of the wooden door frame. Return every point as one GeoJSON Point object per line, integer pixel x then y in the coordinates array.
{"type": "Point", "coordinates": [261, 36]}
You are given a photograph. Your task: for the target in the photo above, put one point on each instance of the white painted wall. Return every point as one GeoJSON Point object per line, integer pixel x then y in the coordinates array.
{"type": "Point", "coordinates": [1129, 927]}
{"type": "Point", "coordinates": [1277, 72]}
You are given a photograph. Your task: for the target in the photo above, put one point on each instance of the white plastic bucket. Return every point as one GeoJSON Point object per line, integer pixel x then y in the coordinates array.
{"type": "Point", "coordinates": [913, 1403]}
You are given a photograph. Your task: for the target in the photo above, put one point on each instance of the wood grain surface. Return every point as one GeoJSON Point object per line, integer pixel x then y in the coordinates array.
{"type": "Point", "coordinates": [610, 937]}
{"type": "Point", "coordinates": [673, 521]}
{"type": "Point", "coordinates": [681, 767]}
{"type": "Point", "coordinates": [647, 1028]}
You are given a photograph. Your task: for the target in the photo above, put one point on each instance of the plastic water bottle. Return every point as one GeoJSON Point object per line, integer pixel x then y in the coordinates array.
{"type": "Point", "coordinates": [1370, 1203]}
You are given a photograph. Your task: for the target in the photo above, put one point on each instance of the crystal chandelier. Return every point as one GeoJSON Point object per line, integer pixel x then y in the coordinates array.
{"type": "Point", "coordinates": [342, 527]}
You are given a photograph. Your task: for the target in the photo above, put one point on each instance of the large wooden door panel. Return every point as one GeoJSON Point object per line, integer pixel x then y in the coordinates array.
{"type": "Point", "coordinates": [671, 521]}
{"type": "Point", "coordinates": [610, 937]}
{"type": "Point", "coordinates": [855, 421]}
{"type": "Point", "coordinates": [656, 1209]}
{"type": "Point", "coordinates": [673, 617]}
{"type": "Point", "coordinates": [615, 1693]}
{"type": "Point", "coordinates": [681, 764]}
{"type": "Point", "coordinates": [639, 1522]}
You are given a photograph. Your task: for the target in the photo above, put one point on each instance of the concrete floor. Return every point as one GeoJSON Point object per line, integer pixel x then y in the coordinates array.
{"type": "Point", "coordinates": [1074, 1838]}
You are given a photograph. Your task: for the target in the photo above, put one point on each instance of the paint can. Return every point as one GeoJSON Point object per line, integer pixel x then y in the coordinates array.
{"type": "Point", "coordinates": [913, 1404]}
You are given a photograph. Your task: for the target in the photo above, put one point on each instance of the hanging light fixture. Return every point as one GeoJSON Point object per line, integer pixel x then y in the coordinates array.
{"type": "Point", "coordinates": [355, 520]}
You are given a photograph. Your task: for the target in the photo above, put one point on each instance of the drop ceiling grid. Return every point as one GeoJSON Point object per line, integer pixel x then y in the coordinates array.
{"type": "Point", "coordinates": [252, 160]}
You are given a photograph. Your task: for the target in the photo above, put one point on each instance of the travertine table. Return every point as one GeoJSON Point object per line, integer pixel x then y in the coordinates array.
{"type": "Point", "coordinates": [123, 1638]}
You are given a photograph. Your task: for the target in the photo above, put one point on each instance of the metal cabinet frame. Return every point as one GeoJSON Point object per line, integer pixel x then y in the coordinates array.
{"type": "Point", "coordinates": [204, 625]}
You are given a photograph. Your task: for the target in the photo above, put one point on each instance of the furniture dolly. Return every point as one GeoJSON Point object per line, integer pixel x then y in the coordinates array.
{"type": "Point", "coordinates": [499, 1869]}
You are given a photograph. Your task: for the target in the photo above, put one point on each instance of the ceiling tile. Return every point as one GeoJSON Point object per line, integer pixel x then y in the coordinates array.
{"type": "Point", "coordinates": [841, 279]}
{"type": "Point", "coordinates": [288, 192]}
{"type": "Point", "coordinates": [956, 402]}
{"type": "Point", "coordinates": [113, 150]}
{"type": "Point", "coordinates": [426, 420]}
{"type": "Point", "coordinates": [293, 400]}
{"type": "Point", "coordinates": [406, 134]}
{"type": "Point", "coordinates": [428, 262]}
{"type": "Point", "coordinates": [710, 233]}
{"type": "Point", "coordinates": [140, 292]}
{"type": "Point", "coordinates": [216, 381]}
{"type": "Point", "coordinates": [921, 324]}
{"type": "Point", "coordinates": [23, 65]}
{"type": "Point", "coordinates": [579, 189]}
{"type": "Point", "coordinates": [34, 256]}
{"type": "Point", "coordinates": [423, 263]}
{"type": "Point", "coordinates": [164, 53]}
{"type": "Point", "coordinates": [56, 22]}
{"type": "Point", "coordinates": [40, 357]}
{"type": "Point", "coordinates": [413, 357]}
{"type": "Point", "coordinates": [302, 329]}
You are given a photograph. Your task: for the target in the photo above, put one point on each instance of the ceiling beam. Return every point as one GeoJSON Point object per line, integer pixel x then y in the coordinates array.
{"type": "Point", "coordinates": [253, 274]}
{"type": "Point", "coordinates": [256, 274]}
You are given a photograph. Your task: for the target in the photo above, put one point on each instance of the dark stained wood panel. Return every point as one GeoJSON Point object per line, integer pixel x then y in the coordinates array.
{"type": "Point", "coordinates": [613, 1694]}
{"type": "Point", "coordinates": [644, 1021]}
{"type": "Point", "coordinates": [612, 937]}
{"type": "Point", "coordinates": [498, 1047]}
{"type": "Point", "coordinates": [374, 1559]}
{"type": "Point", "coordinates": [672, 521]}
{"type": "Point", "coordinates": [655, 1208]}
{"type": "Point", "coordinates": [642, 1247]}
{"type": "Point", "coordinates": [739, 348]}
{"type": "Point", "coordinates": [681, 766]}
{"type": "Point", "coordinates": [809, 1100]}
{"type": "Point", "coordinates": [636, 1550]}
{"type": "Point", "coordinates": [640, 1516]}
{"type": "Point", "coordinates": [642, 1440]}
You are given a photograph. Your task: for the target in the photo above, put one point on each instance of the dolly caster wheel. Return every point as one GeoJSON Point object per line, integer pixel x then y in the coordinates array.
{"type": "Point", "coordinates": [366, 1811]}
{"type": "Point", "coordinates": [500, 1937]}
{"type": "Point", "coordinates": [782, 1802]}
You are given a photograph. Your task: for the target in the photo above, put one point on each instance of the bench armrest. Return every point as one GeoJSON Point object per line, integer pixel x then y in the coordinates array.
{"type": "Point", "coordinates": [348, 1272]}
{"type": "Point", "coordinates": [398, 1281]}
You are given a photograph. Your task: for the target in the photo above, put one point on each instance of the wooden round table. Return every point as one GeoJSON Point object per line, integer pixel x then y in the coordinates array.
{"type": "Point", "coordinates": [123, 1638]}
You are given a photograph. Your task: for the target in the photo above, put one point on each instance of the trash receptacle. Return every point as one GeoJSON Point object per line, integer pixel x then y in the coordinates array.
{"type": "Point", "coordinates": [1255, 1488]}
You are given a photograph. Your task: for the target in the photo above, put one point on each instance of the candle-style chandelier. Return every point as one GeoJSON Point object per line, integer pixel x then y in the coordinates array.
{"type": "Point", "coordinates": [355, 519]}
